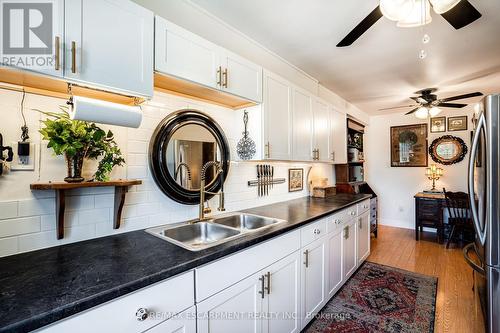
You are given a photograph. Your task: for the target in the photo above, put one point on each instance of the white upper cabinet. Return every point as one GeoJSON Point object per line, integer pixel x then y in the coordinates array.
{"type": "Point", "coordinates": [40, 53]}
{"type": "Point", "coordinates": [321, 131]}
{"type": "Point", "coordinates": [241, 77]}
{"type": "Point", "coordinates": [183, 54]}
{"type": "Point", "coordinates": [187, 56]}
{"type": "Point", "coordinates": [277, 118]}
{"type": "Point", "coordinates": [338, 137]}
{"type": "Point", "coordinates": [302, 126]}
{"type": "Point", "coordinates": [109, 44]}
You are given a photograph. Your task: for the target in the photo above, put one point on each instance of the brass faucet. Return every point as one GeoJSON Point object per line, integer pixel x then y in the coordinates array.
{"type": "Point", "coordinates": [218, 172]}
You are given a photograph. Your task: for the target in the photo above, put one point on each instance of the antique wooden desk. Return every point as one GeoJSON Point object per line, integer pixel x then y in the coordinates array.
{"type": "Point", "coordinates": [429, 213]}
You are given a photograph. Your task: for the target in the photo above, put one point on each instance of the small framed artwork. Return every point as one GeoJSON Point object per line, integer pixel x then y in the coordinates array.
{"type": "Point", "coordinates": [409, 146]}
{"type": "Point", "coordinates": [295, 180]}
{"type": "Point", "coordinates": [438, 124]}
{"type": "Point", "coordinates": [457, 123]}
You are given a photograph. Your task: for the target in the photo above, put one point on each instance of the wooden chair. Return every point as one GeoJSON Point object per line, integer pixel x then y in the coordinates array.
{"type": "Point", "coordinates": [460, 216]}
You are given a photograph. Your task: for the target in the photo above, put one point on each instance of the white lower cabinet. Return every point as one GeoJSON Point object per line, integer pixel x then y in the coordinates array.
{"type": "Point", "coordinates": [238, 308]}
{"type": "Point", "coordinates": [313, 291]}
{"type": "Point", "coordinates": [335, 255]}
{"type": "Point", "coordinates": [349, 247]}
{"type": "Point", "coordinates": [363, 231]}
{"type": "Point", "coordinates": [184, 322]}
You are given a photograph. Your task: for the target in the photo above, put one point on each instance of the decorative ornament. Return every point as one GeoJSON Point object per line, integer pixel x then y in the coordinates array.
{"type": "Point", "coordinates": [246, 146]}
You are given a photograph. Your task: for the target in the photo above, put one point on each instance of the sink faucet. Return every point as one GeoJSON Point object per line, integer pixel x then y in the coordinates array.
{"type": "Point", "coordinates": [220, 173]}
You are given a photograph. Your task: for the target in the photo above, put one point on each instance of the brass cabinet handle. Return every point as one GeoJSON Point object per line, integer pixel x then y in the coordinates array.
{"type": "Point", "coordinates": [306, 262]}
{"type": "Point", "coordinates": [346, 232]}
{"type": "Point", "coordinates": [268, 288]}
{"type": "Point", "coordinates": [73, 57]}
{"type": "Point", "coordinates": [219, 76]}
{"type": "Point", "coordinates": [224, 74]}
{"type": "Point", "coordinates": [57, 45]}
{"type": "Point", "coordinates": [333, 156]}
{"type": "Point", "coordinates": [267, 150]}
{"type": "Point", "coordinates": [317, 154]}
{"type": "Point", "coordinates": [261, 292]}
{"type": "Point", "coordinates": [360, 220]}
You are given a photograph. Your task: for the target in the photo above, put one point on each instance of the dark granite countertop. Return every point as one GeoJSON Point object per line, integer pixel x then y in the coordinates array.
{"type": "Point", "coordinates": [40, 287]}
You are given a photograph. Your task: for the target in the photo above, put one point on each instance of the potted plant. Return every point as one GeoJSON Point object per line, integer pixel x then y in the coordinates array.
{"type": "Point", "coordinates": [78, 140]}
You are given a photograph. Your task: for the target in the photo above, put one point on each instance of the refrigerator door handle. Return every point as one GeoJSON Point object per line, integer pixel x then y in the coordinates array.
{"type": "Point", "coordinates": [471, 263]}
{"type": "Point", "coordinates": [481, 233]}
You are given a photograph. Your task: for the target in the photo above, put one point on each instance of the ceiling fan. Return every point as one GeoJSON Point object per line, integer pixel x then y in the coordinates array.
{"type": "Point", "coordinates": [413, 13]}
{"type": "Point", "coordinates": [428, 103]}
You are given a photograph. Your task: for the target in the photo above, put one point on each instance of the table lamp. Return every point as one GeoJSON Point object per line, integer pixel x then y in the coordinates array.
{"type": "Point", "coordinates": [434, 173]}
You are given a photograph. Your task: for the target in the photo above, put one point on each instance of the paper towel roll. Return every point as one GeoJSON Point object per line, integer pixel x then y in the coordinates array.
{"type": "Point", "coordinates": [97, 111]}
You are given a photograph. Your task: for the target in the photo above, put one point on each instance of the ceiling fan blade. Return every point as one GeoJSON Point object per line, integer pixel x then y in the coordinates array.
{"type": "Point", "coordinates": [412, 111]}
{"type": "Point", "coordinates": [397, 107]}
{"type": "Point", "coordinates": [451, 105]}
{"type": "Point", "coordinates": [420, 100]}
{"type": "Point", "coordinates": [361, 28]}
{"type": "Point", "coordinates": [454, 98]}
{"type": "Point", "coordinates": [463, 14]}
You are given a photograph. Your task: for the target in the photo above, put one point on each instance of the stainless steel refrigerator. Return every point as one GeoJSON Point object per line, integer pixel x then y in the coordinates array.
{"type": "Point", "coordinates": [484, 195]}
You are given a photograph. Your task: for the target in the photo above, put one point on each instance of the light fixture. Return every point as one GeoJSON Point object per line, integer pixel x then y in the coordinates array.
{"type": "Point", "coordinates": [422, 113]}
{"type": "Point", "coordinates": [420, 15]}
{"type": "Point", "coordinates": [434, 173]}
{"type": "Point", "coordinates": [434, 111]}
{"type": "Point", "coordinates": [396, 10]}
{"type": "Point", "coordinates": [442, 6]}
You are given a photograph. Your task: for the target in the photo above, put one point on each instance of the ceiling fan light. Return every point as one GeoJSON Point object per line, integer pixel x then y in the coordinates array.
{"type": "Point", "coordinates": [396, 10]}
{"type": "Point", "coordinates": [442, 6]}
{"type": "Point", "coordinates": [434, 111]}
{"type": "Point", "coordinates": [420, 15]}
{"type": "Point", "coordinates": [422, 113]}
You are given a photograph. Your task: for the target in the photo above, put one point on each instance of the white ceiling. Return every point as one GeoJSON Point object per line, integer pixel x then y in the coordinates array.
{"type": "Point", "coordinates": [382, 68]}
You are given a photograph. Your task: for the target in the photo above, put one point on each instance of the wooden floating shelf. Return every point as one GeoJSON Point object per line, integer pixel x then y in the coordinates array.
{"type": "Point", "coordinates": [18, 80]}
{"type": "Point", "coordinates": [180, 87]}
{"type": "Point", "coordinates": [121, 189]}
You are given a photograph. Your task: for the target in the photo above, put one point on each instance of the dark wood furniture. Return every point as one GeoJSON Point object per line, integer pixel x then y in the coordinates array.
{"type": "Point", "coordinates": [459, 214]}
{"type": "Point", "coordinates": [121, 188]}
{"type": "Point", "coordinates": [429, 213]}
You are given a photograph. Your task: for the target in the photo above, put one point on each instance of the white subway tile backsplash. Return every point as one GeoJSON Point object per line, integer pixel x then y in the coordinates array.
{"type": "Point", "coordinates": [36, 207]}
{"type": "Point", "coordinates": [93, 216]}
{"type": "Point", "coordinates": [19, 226]}
{"type": "Point", "coordinates": [133, 198]}
{"type": "Point", "coordinates": [105, 201]}
{"type": "Point", "coordinates": [8, 246]}
{"type": "Point", "coordinates": [8, 209]}
{"type": "Point", "coordinates": [137, 146]}
{"type": "Point", "coordinates": [79, 202]}
{"type": "Point", "coordinates": [137, 172]}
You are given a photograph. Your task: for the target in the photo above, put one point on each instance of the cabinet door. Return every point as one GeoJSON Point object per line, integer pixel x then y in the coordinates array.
{"type": "Point", "coordinates": [349, 260]}
{"type": "Point", "coordinates": [241, 77]}
{"type": "Point", "coordinates": [363, 237]}
{"type": "Point", "coordinates": [335, 254]}
{"type": "Point", "coordinates": [184, 322]}
{"type": "Point", "coordinates": [235, 309]}
{"type": "Point", "coordinates": [277, 118]}
{"type": "Point", "coordinates": [321, 126]}
{"type": "Point", "coordinates": [283, 294]}
{"type": "Point", "coordinates": [41, 52]}
{"type": "Point", "coordinates": [313, 279]}
{"type": "Point", "coordinates": [183, 54]}
{"type": "Point", "coordinates": [302, 126]}
{"type": "Point", "coordinates": [109, 44]}
{"type": "Point", "coordinates": [338, 137]}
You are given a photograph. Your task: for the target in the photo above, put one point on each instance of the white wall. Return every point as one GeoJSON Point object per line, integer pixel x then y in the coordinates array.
{"type": "Point", "coordinates": [395, 187]}
{"type": "Point", "coordinates": [27, 220]}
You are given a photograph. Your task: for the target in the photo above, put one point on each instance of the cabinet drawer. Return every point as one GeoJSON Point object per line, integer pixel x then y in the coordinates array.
{"type": "Point", "coordinates": [312, 232]}
{"type": "Point", "coordinates": [363, 206]}
{"type": "Point", "coordinates": [336, 220]}
{"type": "Point", "coordinates": [351, 211]}
{"type": "Point", "coordinates": [165, 299]}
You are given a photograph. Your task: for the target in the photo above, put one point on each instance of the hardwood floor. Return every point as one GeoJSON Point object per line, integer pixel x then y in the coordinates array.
{"type": "Point", "coordinates": [455, 306]}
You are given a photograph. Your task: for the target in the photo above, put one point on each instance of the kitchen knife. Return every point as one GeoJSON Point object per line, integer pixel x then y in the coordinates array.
{"type": "Point", "coordinates": [258, 179]}
{"type": "Point", "coordinates": [272, 177]}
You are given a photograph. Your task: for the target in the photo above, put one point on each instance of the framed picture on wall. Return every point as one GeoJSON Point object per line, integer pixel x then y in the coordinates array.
{"type": "Point", "coordinates": [409, 146]}
{"type": "Point", "coordinates": [295, 180]}
{"type": "Point", "coordinates": [438, 124]}
{"type": "Point", "coordinates": [457, 123]}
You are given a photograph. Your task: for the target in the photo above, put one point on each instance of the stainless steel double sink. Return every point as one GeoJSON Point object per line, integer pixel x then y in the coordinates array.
{"type": "Point", "coordinates": [199, 235]}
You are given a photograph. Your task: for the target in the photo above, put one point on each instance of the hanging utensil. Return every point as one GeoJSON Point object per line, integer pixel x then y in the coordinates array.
{"type": "Point", "coordinates": [246, 146]}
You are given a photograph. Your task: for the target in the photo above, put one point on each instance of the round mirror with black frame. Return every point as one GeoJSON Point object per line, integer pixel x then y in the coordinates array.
{"type": "Point", "coordinates": [448, 150]}
{"type": "Point", "coordinates": [181, 145]}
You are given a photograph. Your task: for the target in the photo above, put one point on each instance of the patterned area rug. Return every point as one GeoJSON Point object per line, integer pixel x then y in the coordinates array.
{"type": "Point", "coordinates": [380, 298]}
